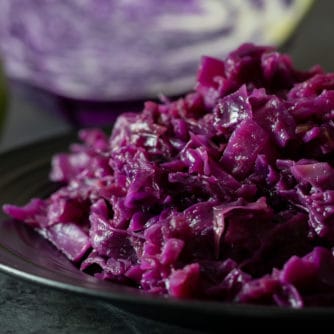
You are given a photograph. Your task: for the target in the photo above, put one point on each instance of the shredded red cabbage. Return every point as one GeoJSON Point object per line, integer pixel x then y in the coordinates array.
{"type": "Point", "coordinates": [225, 194]}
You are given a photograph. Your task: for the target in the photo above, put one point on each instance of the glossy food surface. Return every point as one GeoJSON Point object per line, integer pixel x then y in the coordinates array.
{"type": "Point", "coordinates": [224, 194]}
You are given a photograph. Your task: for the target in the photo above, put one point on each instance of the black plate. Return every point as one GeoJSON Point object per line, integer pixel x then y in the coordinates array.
{"type": "Point", "coordinates": [24, 254]}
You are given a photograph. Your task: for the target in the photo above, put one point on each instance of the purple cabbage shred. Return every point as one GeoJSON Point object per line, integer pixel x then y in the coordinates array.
{"type": "Point", "coordinates": [225, 194]}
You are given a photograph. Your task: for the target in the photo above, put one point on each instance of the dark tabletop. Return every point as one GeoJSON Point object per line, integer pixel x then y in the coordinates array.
{"type": "Point", "coordinates": [29, 308]}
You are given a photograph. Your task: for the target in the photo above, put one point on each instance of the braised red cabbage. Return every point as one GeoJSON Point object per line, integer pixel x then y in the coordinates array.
{"type": "Point", "coordinates": [225, 194]}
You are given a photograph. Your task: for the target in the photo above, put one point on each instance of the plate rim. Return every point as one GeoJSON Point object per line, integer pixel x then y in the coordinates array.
{"type": "Point", "coordinates": [211, 307]}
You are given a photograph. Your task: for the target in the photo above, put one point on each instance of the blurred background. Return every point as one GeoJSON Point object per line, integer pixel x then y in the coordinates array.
{"type": "Point", "coordinates": [68, 64]}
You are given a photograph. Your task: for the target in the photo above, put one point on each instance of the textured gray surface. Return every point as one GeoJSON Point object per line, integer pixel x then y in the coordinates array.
{"type": "Point", "coordinates": [28, 308]}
